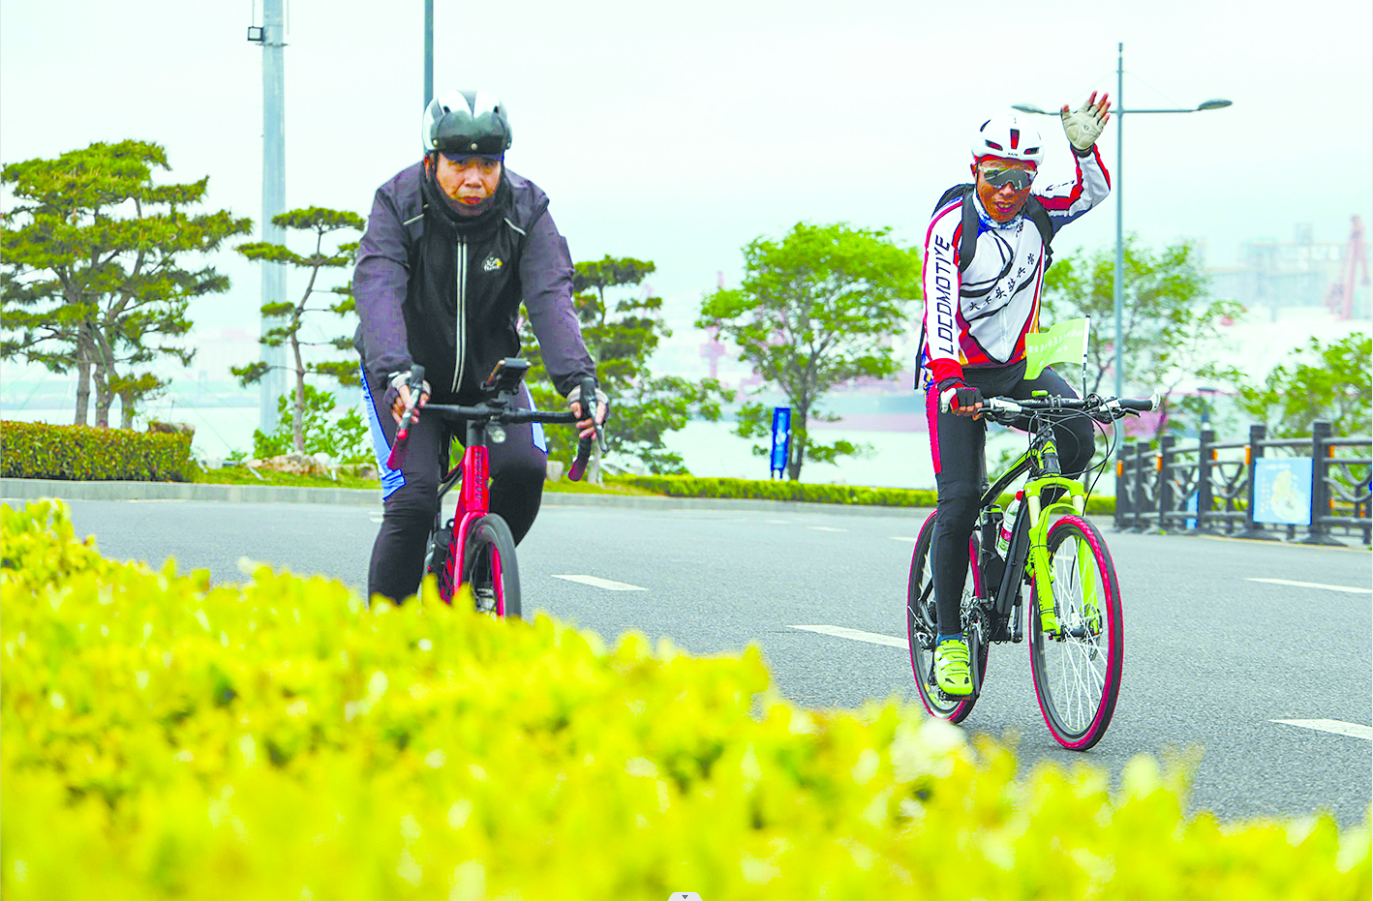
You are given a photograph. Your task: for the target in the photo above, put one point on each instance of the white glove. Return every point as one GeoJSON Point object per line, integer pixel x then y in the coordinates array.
{"type": "Point", "coordinates": [1085, 126]}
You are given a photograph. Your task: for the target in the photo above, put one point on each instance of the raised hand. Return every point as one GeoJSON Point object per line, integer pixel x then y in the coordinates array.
{"type": "Point", "coordinates": [1084, 126]}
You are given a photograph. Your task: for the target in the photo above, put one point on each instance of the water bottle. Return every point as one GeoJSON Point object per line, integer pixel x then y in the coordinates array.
{"type": "Point", "coordinates": [1003, 538]}
{"type": "Point", "coordinates": [992, 565]}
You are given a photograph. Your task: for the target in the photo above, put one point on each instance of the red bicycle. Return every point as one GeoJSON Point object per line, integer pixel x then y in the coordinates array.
{"type": "Point", "coordinates": [475, 547]}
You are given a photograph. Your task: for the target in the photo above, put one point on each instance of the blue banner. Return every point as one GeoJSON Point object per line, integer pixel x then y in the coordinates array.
{"type": "Point", "coordinates": [781, 440]}
{"type": "Point", "coordinates": [1282, 491]}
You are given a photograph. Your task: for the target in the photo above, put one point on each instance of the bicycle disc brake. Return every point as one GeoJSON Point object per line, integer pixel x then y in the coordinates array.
{"type": "Point", "coordinates": [440, 551]}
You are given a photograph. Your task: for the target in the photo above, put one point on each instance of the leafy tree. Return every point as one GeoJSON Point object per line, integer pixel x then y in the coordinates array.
{"type": "Point", "coordinates": [1171, 329]}
{"type": "Point", "coordinates": [322, 222]}
{"type": "Point", "coordinates": [345, 438]}
{"type": "Point", "coordinates": [815, 309]}
{"type": "Point", "coordinates": [621, 338]}
{"type": "Point", "coordinates": [92, 279]}
{"type": "Point", "coordinates": [1330, 382]}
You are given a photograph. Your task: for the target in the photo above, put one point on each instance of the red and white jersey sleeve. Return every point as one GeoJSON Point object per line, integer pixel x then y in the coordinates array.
{"type": "Point", "coordinates": [980, 317]}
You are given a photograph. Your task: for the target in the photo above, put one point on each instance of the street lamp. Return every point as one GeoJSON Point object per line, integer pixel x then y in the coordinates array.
{"type": "Point", "coordinates": [1208, 400]}
{"type": "Point", "coordinates": [1118, 292]}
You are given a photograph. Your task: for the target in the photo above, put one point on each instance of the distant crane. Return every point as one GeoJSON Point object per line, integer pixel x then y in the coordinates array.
{"type": "Point", "coordinates": [713, 350]}
{"type": "Point", "coordinates": [1340, 298]}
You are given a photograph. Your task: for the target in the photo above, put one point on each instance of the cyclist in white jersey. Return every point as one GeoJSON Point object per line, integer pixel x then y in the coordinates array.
{"type": "Point", "coordinates": [982, 298]}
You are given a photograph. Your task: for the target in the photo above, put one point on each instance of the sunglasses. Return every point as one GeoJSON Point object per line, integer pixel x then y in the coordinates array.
{"type": "Point", "coordinates": [1019, 179]}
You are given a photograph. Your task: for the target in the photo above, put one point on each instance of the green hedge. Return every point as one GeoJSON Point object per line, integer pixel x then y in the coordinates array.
{"type": "Point", "coordinates": [160, 738]}
{"type": "Point", "coordinates": [786, 490]}
{"type": "Point", "coordinates": [36, 450]}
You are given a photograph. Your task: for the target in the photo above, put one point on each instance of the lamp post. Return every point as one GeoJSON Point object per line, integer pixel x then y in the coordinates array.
{"type": "Point", "coordinates": [428, 52]}
{"type": "Point", "coordinates": [1119, 287]}
{"type": "Point", "coordinates": [1208, 401]}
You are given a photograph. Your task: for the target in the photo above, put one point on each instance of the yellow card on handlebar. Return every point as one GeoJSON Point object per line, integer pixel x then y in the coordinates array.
{"type": "Point", "coordinates": [1064, 343]}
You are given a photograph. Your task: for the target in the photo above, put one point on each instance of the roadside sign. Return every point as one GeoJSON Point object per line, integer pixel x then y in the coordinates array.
{"type": "Point", "coordinates": [1282, 491]}
{"type": "Point", "coordinates": [781, 440]}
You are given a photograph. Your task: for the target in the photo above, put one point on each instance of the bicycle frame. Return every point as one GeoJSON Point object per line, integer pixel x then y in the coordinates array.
{"type": "Point", "coordinates": [473, 499]}
{"type": "Point", "coordinates": [1040, 461]}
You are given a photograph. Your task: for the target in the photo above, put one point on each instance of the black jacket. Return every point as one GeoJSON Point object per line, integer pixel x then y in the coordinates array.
{"type": "Point", "coordinates": [443, 291]}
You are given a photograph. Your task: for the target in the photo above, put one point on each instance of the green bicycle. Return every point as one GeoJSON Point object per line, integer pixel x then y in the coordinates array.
{"type": "Point", "coordinates": [1048, 548]}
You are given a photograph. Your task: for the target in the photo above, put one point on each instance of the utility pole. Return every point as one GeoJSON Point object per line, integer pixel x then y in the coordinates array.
{"type": "Point", "coordinates": [1118, 284]}
{"type": "Point", "coordinates": [428, 52]}
{"type": "Point", "coordinates": [273, 38]}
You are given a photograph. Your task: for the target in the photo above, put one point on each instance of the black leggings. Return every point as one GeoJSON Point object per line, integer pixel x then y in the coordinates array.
{"type": "Point", "coordinates": [518, 468]}
{"type": "Point", "coordinates": [958, 444]}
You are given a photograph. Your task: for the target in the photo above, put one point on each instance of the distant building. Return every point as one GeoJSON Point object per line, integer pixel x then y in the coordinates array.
{"type": "Point", "coordinates": [1299, 273]}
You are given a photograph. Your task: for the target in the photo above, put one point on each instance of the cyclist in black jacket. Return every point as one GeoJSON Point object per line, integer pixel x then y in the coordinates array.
{"type": "Point", "coordinates": [453, 245]}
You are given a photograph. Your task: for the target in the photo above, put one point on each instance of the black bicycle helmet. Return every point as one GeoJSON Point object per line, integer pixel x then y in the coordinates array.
{"type": "Point", "coordinates": [465, 123]}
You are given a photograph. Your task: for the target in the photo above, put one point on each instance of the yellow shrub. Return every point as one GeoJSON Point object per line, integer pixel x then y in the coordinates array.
{"type": "Point", "coordinates": [163, 739]}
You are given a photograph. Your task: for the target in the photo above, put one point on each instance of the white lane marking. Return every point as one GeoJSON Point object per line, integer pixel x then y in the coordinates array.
{"type": "Point", "coordinates": [1338, 727]}
{"type": "Point", "coordinates": [857, 635]}
{"type": "Point", "coordinates": [902, 538]}
{"type": "Point", "coordinates": [778, 522]}
{"type": "Point", "coordinates": [1313, 585]}
{"type": "Point", "coordinates": [375, 517]}
{"type": "Point", "coordinates": [607, 584]}
{"type": "Point", "coordinates": [826, 529]}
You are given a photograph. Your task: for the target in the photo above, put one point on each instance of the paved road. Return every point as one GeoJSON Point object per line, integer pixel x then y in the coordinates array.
{"type": "Point", "coordinates": [1214, 657]}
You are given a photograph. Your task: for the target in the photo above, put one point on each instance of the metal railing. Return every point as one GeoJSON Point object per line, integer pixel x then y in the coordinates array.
{"type": "Point", "coordinates": [1208, 488]}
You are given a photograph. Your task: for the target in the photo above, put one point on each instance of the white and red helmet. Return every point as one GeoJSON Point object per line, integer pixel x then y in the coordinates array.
{"type": "Point", "coordinates": [1006, 138]}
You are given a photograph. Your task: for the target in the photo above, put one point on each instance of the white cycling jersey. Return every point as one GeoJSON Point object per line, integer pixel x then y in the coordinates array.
{"type": "Point", "coordinates": [998, 295]}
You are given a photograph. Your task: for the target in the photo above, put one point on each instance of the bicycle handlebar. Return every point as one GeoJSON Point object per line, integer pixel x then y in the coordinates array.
{"type": "Point", "coordinates": [500, 414]}
{"type": "Point", "coordinates": [588, 396]}
{"type": "Point", "coordinates": [396, 458]}
{"type": "Point", "coordinates": [1109, 408]}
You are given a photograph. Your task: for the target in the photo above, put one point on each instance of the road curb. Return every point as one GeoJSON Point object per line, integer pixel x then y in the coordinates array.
{"type": "Point", "coordinates": [27, 489]}
{"type": "Point", "coordinates": [32, 489]}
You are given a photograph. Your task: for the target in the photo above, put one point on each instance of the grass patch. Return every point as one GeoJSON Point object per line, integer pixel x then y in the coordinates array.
{"type": "Point", "coordinates": [242, 475]}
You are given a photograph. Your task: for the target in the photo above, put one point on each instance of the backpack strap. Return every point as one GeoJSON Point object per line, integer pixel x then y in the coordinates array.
{"type": "Point", "coordinates": [967, 242]}
{"type": "Point", "coordinates": [1036, 213]}
{"type": "Point", "coordinates": [967, 239]}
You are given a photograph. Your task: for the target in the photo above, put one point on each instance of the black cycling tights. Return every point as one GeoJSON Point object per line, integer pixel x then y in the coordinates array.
{"type": "Point", "coordinates": [958, 444]}
{"type": "Point", "coordinates": [518, 468]}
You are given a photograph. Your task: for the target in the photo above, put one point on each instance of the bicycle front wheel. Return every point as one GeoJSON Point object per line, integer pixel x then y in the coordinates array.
{"type": "Point", "coordinates": [922, 627]}
{"type": "Point", "coordinates": [488, 566]}
{"type": "Point", "coordinates": [1077, 669]}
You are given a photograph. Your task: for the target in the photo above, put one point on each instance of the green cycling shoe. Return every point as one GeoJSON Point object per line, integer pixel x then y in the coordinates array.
{"type": "Point", "coordinates": [951, 669]}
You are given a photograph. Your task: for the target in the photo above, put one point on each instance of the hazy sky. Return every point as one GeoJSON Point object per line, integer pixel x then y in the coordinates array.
{"type": "Point", "coordinates": [679, 132]}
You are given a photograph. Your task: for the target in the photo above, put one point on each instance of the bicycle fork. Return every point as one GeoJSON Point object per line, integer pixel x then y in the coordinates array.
{"type": "Point", "coordinates": [1072, 500]}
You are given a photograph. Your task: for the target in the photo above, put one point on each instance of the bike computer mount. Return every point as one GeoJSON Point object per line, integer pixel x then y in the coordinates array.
{"type": "Point", "coordinates": [505, 378]}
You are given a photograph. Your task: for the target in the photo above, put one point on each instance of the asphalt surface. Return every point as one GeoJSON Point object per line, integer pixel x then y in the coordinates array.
{"type": "Point", "coordinates": [1213, 657]}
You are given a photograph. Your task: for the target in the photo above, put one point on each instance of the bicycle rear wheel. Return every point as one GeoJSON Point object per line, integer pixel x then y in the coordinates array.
{"type": "Point", "coordinates": [1077, 671]}
{"type": "Point", "coordinates": [922, 626]}
{"type": "Point", "coordinates": [489, 567]}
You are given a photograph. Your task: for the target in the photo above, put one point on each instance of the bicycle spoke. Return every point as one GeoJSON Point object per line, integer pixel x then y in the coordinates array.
{"type": "Point", "coordinates": [1077, 670]}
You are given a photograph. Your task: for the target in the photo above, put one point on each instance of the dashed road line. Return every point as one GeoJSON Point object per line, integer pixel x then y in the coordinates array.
{"type": "Point", "coordinates": [826, 529]}
{"type": "Point", "coordinates": [856, 635]}
{"type": "Point", "coordinates": [1339, 727]}
{"type": "Point", "coordinates": [607, 584]}
{"type": "Point", "coordinates": [1347, 588]}
{"type": "Point", "coordinates": [903, 538]}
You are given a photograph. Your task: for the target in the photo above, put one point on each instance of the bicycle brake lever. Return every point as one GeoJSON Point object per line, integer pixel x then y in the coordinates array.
{"type": "Point", "coordinates": [396, 458]}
